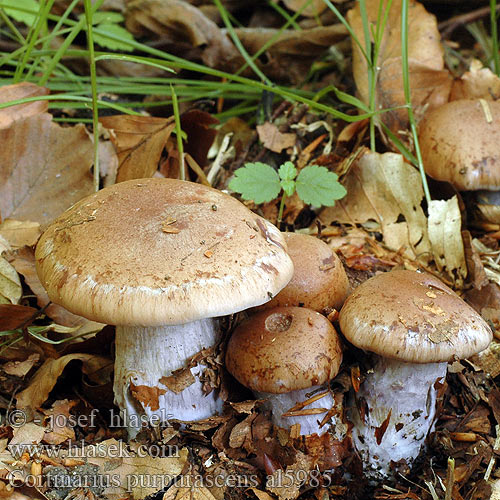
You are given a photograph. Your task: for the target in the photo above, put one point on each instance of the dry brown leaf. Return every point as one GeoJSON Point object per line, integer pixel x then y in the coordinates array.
{"type": "Point", "coordinates": [19, 111]}
{"type": "Point", "coordinates": [445, 235]}
{"type": "Point", "coordinates": [292, 52]}
{"type": "Point", "coordinates": [45, 378]}
{"type": "Point", "coordinates": [139, 141]}
{"type": "Point", "coordinates": [286, 484]}
{"type": "Point", "coordinates": [377, 187]}
{"type": "Point", "coordinates": [20, 233]}
{"type": "Point", "coordinates": [185, 25]}
{"type": "Point", "coordinates": [262, 495]}
{"type": "Point", "coordinates": [312, 7]}
{"type": "Point", "coordinates": [430, 83]}
{"type": "Point", "coordinates": [28, 433]}
{"type": "Point", "coordinates": [10, 284]}
{"type": "Point", "coordinates": [194, 492]}
{"type": "Point", "coordinates": [21, 368]}
{"type": "Point", "coordinates": [44, 168]}
{"type": "Point", "coordinates": [178, 380]}
{"type": "Point", "coordinates": [477, 83]}
{"type": "Point", "coordinates": [273, 139]}
{"type": "Point", "coordinates": [137, 475]}
{"type": "Point", "coordinates": [147, 396]}
{"type": "Point", "coordinates": [24, 263]}
{"type": "Point", "coordinates": [14, 316]}
{"type": "Point", "coordinates": [58, 422]}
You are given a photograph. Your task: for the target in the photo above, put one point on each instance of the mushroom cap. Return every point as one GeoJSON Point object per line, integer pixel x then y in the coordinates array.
{"type": "Point", "coordinates": [284, 349]}
{"type": "Point", "coordinates": [150, 252]}
{"type": "Point", "coordinates": [459, 145]}
{"type": "Point", "coordinates": [319, 278]}
{"type": "Point", "coordinates": [412, 317]}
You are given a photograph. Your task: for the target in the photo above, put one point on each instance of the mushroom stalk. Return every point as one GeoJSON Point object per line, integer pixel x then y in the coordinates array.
{"type": "Point", "coordinates": [144, 355]}
{"type": "Point", "coordinates": [279, 404]}
{"type": "Point", "coordinates": [402, 397]}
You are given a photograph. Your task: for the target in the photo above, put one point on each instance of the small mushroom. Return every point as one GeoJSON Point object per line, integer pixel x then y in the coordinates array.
{"type": "Point", "coordinates": [414, 325]}
{"type": "Point", "coordinates": [286, 355]}
{"type": "Point", "coordinates": [459, 143]}
{"type": "Point", "coordinates": [155, 258]}
{"type": "Point", "coordinates": [319, 279]}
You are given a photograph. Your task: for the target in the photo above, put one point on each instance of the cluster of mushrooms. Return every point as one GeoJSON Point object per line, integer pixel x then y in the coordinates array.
{"type": "Point", "coordinates": [162, 259]}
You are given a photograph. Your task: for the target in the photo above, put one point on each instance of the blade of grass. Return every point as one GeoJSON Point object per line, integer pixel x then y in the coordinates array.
{"type": "Point", "coordinates": [406, 84]}
{"type": "Point", "coordinates": [93, 83]}
{"type": "Point", "coordinates": [494, 36]}
{"type": "Point", "coordinates": [178, 132]}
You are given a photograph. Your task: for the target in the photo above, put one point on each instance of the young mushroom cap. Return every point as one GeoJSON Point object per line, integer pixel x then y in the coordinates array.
{"type": "Point", "coordinates": [412, 317]}
{"type": "Point", "coordinates": [286, 354]}
{"type": "Point", "coordinates": [319, 280]}
{"type": "Point", "coordinates": [156, 252]}
{"type": "Point", "coordinates": [160, 258]}
{"type": "Point", "coordinates": [284, 349]}
{"type": "Point", "coordinates": [459, 143]}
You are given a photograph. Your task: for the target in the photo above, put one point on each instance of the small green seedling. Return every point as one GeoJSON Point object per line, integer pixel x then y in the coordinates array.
{"type": "Point", "coordinates": [315, 185]}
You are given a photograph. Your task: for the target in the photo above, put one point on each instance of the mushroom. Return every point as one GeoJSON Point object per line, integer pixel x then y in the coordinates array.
{"type": "Point", "coordinates": [284, 355]}
{"type": "Point", "coordinates": [459, 144]}
{"type": "Point", "coordinates": [319, 279]}
{"type": "Point", "coordinates": [415, 325]}
{"type": "Point", "coordinates": [160, 258]}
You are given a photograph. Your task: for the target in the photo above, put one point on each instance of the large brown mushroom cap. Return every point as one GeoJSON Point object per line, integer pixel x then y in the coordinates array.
{"type": "Point", "coordinates": [152, 252]}
{"type": "Point", "coordinates": [284, 349]}
{"type": "Point", "coordinates": [319, 279]}
{"type": "Point", "coordinates": [412, 317]}
{"type": "Point", "coordinates": [459, 145]}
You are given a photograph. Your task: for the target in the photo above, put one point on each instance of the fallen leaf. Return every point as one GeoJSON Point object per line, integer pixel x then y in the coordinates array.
{"type": "Point", "coordinates": [44, 380]}
{"type": "Point", "coordinates": [147, 396]}
{"type": "Point", "coordinates": [21, 368]}
{"type": "Point", "coordinates": [138, 474]}
{"type": "Point", "coordinates": [38, 178]}
{"type": "Point", "coordinates": [309, 8]}
{"type": "Point", "coordinates": [486, 301]}
{"type": "Point", "coordinates": [444, 229]}
{"type": "Point", "coordinates": [378, 191]}
{"type": "Point", "coordinates": [24, 263]}
{"type": "Point", "coordinates": [292, 52]}
{"type": "Point", "coordinates": [20, 233]}
{"type": "Point", "coordinates": [14, 316]}
{"type": "Point", "coordinates": [19, 111]}
{"type": "Point", "coordinates": [477, 83]}
{"type": "Point", "coordinates": [194, 492]}
{"type": "Point", "coordinates": [179, 22]}
{"type": "Point", "coordinates": [430, 83]}
{"type": "Point", "coordinates": [58, 422]}
{"type": "Point", "coordinates": [199, 129]}
{"type": "Point", "coordinates": [10, 284]}
{"type": "Point", "coordinates": [139, 142]}
{"type": "Point", "coordinates": [28, 433]}
{"type": "Point", "coordinates": [273, 139]}
{"type": "Point", "coordinates": [178, 380]}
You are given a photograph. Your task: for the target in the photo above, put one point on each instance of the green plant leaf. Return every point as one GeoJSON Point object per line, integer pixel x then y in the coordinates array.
{"type": "Point", "coordinates": [12, 9]}
{"type": "Point", "coordinates": [256, 181]}
{"type": "Point", "coordinates": [318, 186]}
{"type": "Point", "coordinates": [107, 17]}
{"type": "Point", "coordinates": [114, 30]}
{"type": "Point", "coordinates": [287, 172]}
{"type": "Point", "coordinates": [288, 186]}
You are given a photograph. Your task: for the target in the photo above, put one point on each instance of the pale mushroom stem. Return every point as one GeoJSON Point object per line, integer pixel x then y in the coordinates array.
{"type": "Point", "coordinates": [146, 354]}
{"type": "Point", "coordinates": [278, 404]}
{"type": "Point", "coordinates": [406, 391]}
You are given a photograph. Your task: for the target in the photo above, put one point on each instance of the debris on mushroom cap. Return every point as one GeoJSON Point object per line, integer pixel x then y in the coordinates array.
{"type": "Point", "coordinates": [459, 143]}
{"type": "Point", "coordinates": [136, 254]}
{"type": "Point", "coordinates": [319, 279]}
{"type": "Point", "coordinates": [284, 349]}
{"type": "Point", "coordinates": [412, 317]}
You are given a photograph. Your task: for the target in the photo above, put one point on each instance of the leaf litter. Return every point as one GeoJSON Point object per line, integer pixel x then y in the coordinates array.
{"type": "Point", "coordinates": [380, 225]}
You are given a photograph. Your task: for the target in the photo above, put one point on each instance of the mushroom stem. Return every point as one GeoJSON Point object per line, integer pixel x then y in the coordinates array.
{"type": "Point", "coordinates": [405, 391]}
{"type": "Point", "coordinates": [146, 354]}
{"type": "Point", "coordinates": [278, 404]}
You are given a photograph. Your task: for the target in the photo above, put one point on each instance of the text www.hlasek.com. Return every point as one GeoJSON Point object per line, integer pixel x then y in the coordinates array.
{"type": "Point", "coordinates": [80, 449]}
